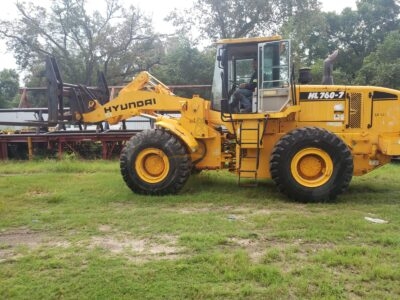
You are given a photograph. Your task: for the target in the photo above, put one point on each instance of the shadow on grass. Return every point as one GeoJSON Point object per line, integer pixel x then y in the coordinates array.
{"type": "Point", "coordinates": [229, 184]}
{"type": "Point", "coordinates": [221, 187]}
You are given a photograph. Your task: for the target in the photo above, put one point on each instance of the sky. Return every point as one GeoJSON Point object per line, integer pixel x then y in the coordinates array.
{"type": "Point", "coordinates": [155, 9]}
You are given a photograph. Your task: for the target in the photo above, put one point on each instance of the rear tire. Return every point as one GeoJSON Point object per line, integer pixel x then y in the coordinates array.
{"type": "Point", "coordinates": [155, 162]}
{"type": "Point", "coordinates": [311, 164]}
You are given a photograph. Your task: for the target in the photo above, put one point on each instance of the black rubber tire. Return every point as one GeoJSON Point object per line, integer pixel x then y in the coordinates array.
{"type": "Point", "coordinates": [177, 159]}
{"type": "Point", "coordinates": [300, 140]}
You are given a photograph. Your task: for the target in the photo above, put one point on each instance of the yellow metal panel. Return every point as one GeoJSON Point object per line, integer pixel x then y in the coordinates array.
{"type": "Point", "coordinates": [285, 113]}
{"type": "Point", "coordinates": [389, 145]}
{"type": "Point", "coordinates": [209, 154]}
{"type": "Point", "coordinates": [173, 126]}
{"type": "Point", "coordinates": [386, 116]}
{"type": "Point", "coordinates": [193, 118]}
{"type": "Point", "coordinates": [269, 142]}
{"type": "Point", "coordinates": [360, 142]}
{"type": "Point", "coordinates": [317, 112]}
{"type": "Point", "coordinates": [364, 164]}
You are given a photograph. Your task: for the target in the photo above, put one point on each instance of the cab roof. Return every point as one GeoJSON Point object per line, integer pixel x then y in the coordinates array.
{"type": "Point", "coordinates": [249, 40]}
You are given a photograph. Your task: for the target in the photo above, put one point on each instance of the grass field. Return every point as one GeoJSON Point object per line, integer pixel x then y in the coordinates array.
{"type": "Point", "coordinates": [73, 230]}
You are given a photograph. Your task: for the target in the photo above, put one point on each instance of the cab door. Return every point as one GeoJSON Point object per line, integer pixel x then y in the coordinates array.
{"type": "Point", "coordinates": [274, 76]}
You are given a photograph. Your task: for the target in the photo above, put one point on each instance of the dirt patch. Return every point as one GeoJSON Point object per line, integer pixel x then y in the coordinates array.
{"type": "Point", "coordinates": [228, 209]}
{"type": "Point", "coordinates": [6, 254]}
{"type": "Point", "coordinates": [262, 211]}
{"type": "Point", "coordinates": [12, 239]}
{"type": "Point", "coordinates": [255, 248]}
{"type": "Point", "coordinates": [192, 209]}
{"type": "Point", "coordinates": [105, 228]}
{"type": "Point", "coordinates": [139, 250]}
{"type": "Point", "coordinates": [115, 245]}
{"type": "Point", "coordinates": [38, 193]}
{"type": "Point", "coordinates": [21, 236]}
{"type": "Point", "coordinates": [9, 240]}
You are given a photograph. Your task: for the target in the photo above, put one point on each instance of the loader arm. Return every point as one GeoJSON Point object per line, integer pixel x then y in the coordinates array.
{"type": "Point", "coordinates": [146, 96]}
{"type": "Point", "coordinates": [143, 95]}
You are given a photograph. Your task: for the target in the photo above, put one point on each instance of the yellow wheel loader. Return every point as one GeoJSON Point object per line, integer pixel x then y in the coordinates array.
{"type": "Point", "coordinates": [309, 138]}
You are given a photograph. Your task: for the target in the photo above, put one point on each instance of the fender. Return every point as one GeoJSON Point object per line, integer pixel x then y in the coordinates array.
{"type": "Point", "coordinates": [184, 135]}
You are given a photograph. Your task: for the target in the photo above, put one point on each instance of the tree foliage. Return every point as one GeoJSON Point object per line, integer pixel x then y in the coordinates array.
{"type": "Point", "coordinates": [382, 67]}
{"type": "Point", "coordinates": [308, 32]}
{"type": "Point", "coordinates": [216, 19]}
{"type": "Point", "coordinates": [355, 33]}
{"type": "Point", "coordinates": [9, 85]}
{"type": "Point", "coordinates": [185, 64]}
{"type": "Point", "coordinates": [118, 40]}
{"type": "Point", "coordinates": [358, 33]}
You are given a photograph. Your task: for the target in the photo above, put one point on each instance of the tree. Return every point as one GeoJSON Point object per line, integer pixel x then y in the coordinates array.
{"type": "Point", "coordinates": [357, 33]}
{"type": "Point", "coordinates": [377, 19]}
{"type": "Point", "coordinates": [120, 40]}
{"type": "Point", "coordinates": [9, 85]}
{"type": "Point", "coordinates": [382, 67]}
{"type": "Point", "coordinates": [308, 33]}
{"type": "Point", "coordinates": [216, 19]}
{"type": "Point", "coordinates": [184, 64]}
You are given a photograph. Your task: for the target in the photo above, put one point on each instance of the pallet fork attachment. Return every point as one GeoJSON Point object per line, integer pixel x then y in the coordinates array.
{"type": "Point", "coordinates": [78, 95]}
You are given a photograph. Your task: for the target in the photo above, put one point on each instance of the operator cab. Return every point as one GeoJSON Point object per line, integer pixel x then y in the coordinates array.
{"type": "Point", "coordinates": [233, 66]}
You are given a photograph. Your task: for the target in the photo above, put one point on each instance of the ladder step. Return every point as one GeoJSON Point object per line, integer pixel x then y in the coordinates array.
{"type": "Point", "coordinates": [248, 172]}
{"type": "Point", "coordinates": [249, 129]}
{"type": "Point", "coordinates": [249, 138]}
{"type": "Point", "coordinates": [252, 176]}
{"type": "Point", "coordinates": [250, 146]}
{"type": "Point", "coordinates": [247, 176]}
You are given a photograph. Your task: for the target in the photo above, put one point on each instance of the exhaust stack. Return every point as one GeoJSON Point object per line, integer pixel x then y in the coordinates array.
{"type": "Point", "coordinates": [328, 68]}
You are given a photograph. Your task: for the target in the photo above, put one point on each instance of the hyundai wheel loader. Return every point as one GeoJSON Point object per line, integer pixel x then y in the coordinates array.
{"type": "Point", "coordinates": [309, 138]}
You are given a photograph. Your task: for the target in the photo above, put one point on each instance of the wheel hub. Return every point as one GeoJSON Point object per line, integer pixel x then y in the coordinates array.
{"type": "Point", "coordinates": [312, 167]}
{"type": "Point", "coordinates": [152, 165]}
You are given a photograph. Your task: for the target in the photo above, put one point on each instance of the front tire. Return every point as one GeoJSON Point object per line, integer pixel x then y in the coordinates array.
{"type": "Point", "coordinates": [155, 162]}
{"type": "Point", "coordinates": [311, 164]}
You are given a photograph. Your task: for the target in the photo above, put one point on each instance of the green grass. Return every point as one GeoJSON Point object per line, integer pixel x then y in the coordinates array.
{"type": "Point", "coordinates": [73, 230]}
